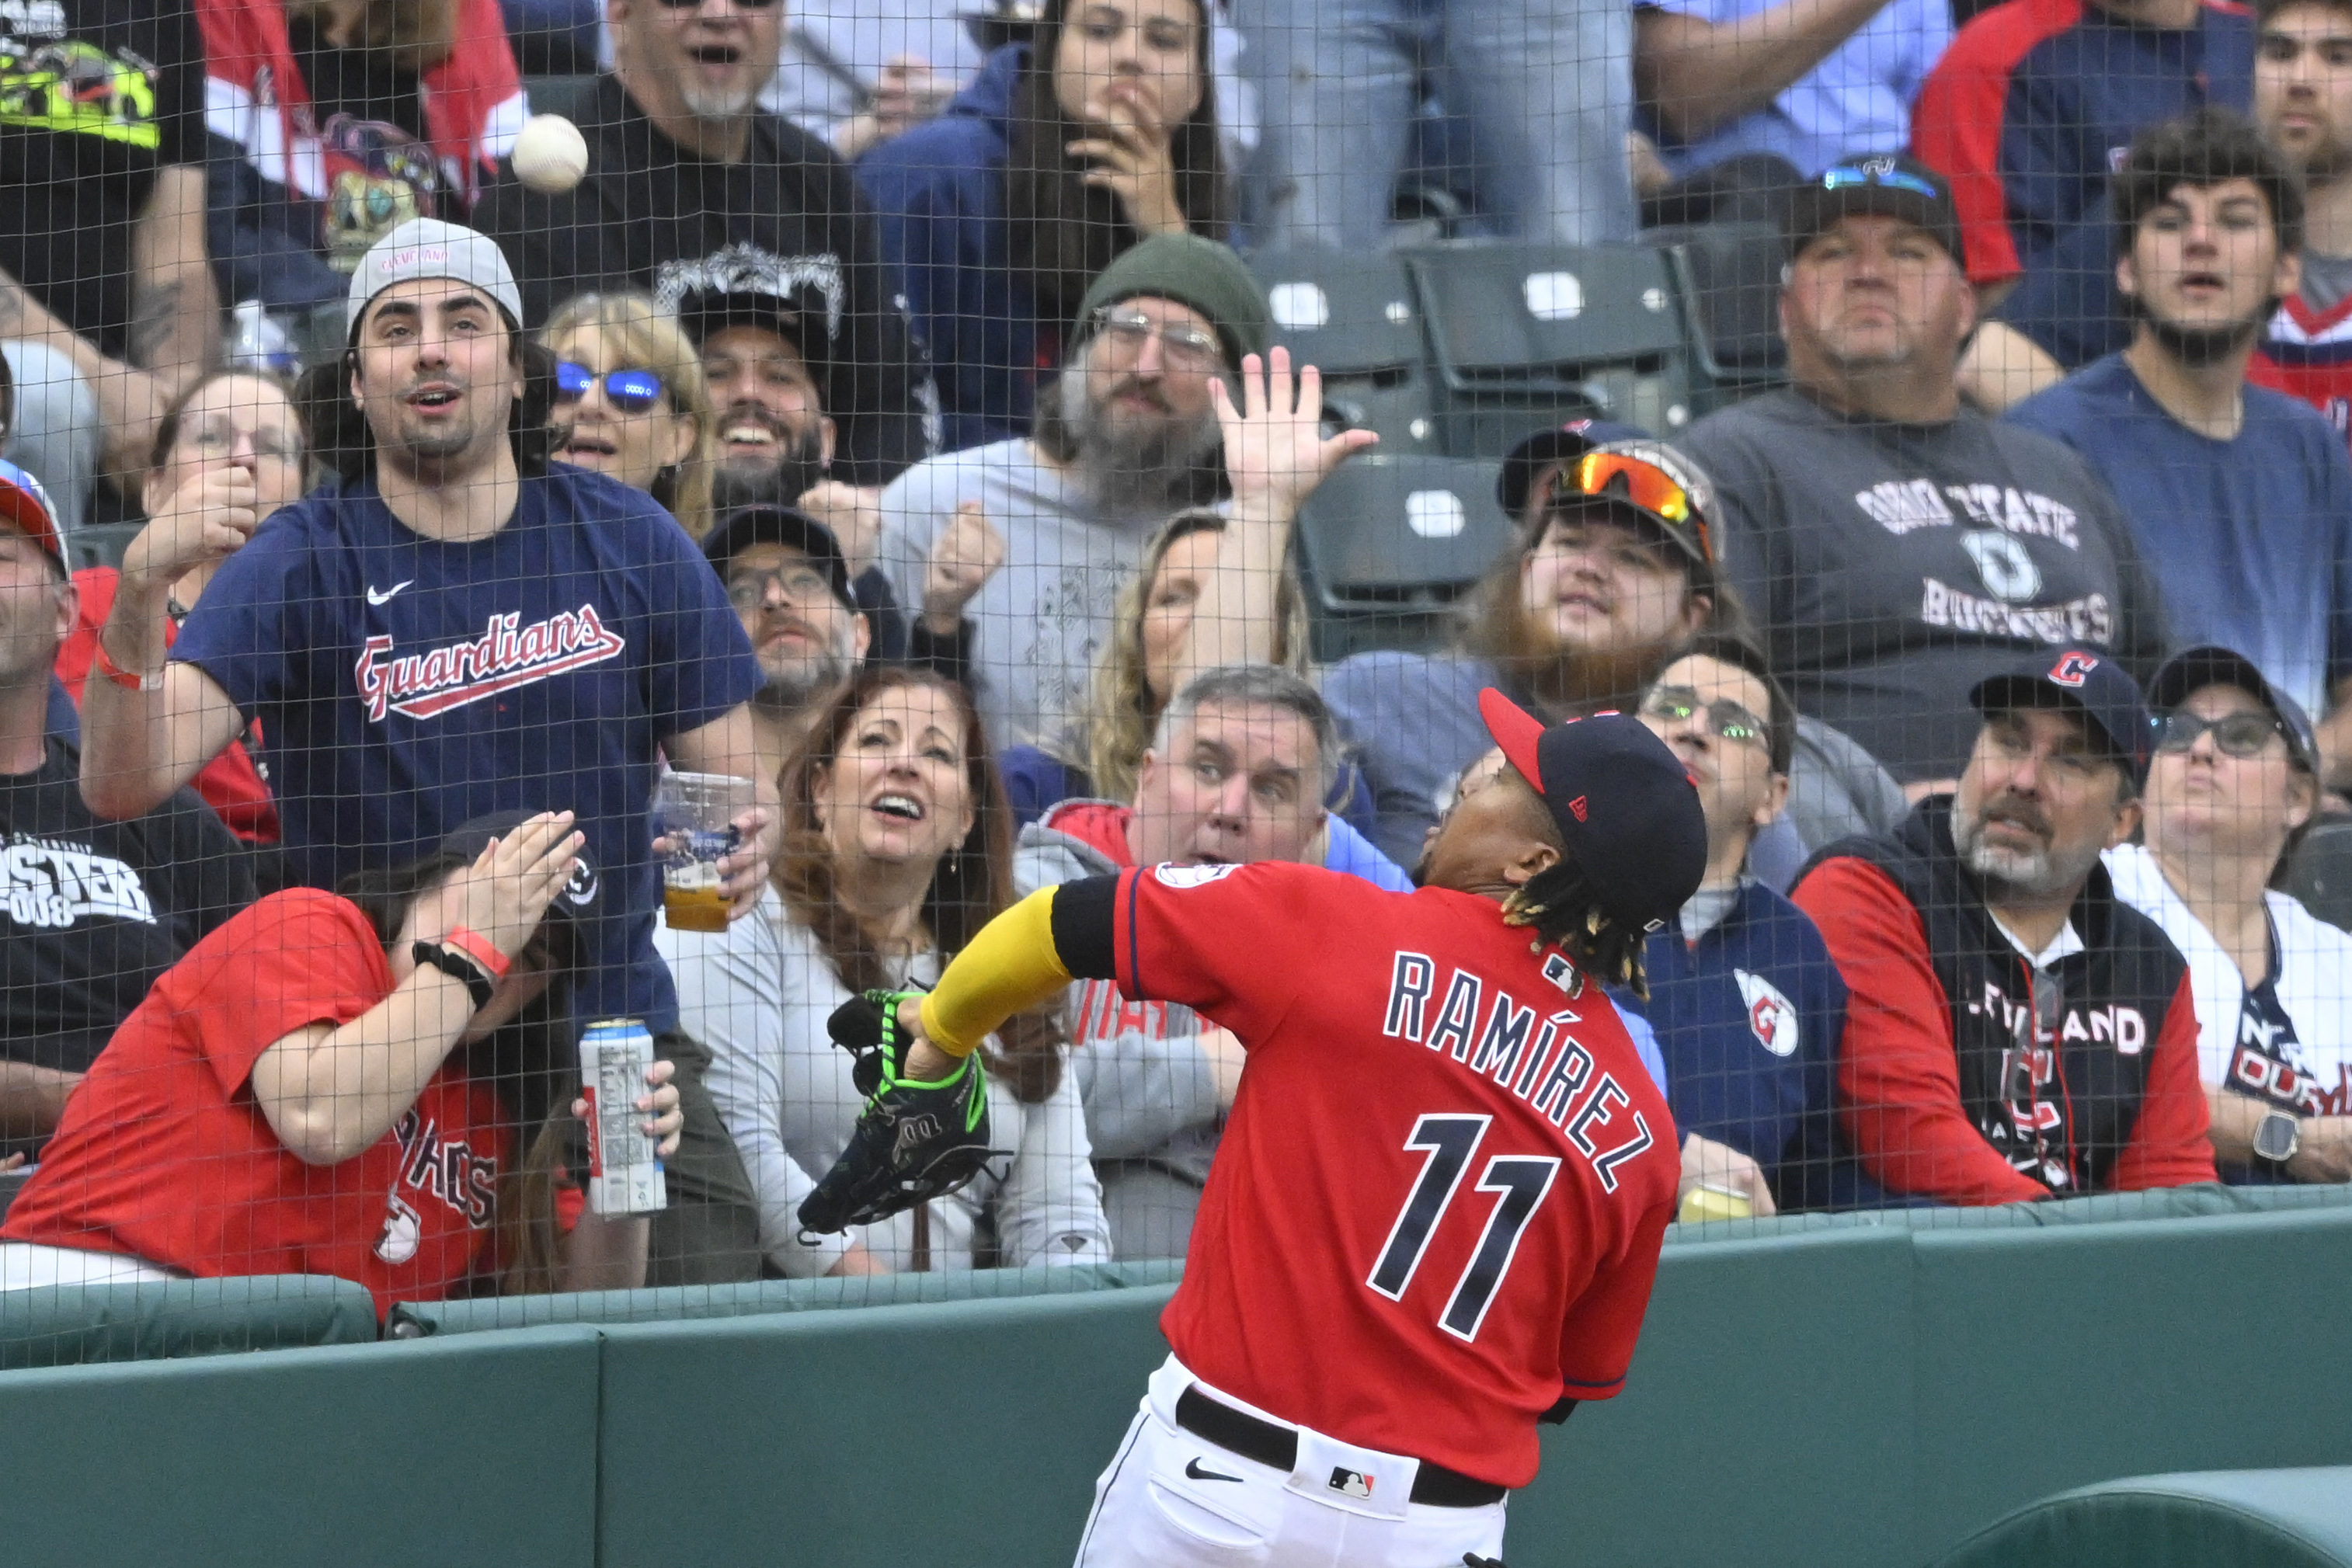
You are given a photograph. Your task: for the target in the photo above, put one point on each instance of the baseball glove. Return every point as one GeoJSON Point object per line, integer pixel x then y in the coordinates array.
{"type": "Point", "coordinates": [914, 1142]}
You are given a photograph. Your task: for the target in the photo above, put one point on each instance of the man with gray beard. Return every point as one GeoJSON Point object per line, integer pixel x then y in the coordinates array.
{"type": "Point", "coordinates": [1157, 376]}
{"type": "Point", "coordinates": [2015, 1031]}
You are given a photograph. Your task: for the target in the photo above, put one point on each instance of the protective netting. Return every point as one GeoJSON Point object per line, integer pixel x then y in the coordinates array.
{"type": "Point", "coordinates": [867, 461]}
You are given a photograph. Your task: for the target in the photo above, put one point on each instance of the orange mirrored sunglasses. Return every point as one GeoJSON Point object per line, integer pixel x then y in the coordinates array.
{"type": "Point", "coordinates": [1604, 475]}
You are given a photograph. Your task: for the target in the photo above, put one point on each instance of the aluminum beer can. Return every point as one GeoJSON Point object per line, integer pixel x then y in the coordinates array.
{"type": "Point", "coordinates": [623, 1176]}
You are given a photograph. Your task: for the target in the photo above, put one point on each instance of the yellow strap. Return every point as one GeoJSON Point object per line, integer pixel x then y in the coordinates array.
{"type": "Point", "coordinates": [1009, 967]}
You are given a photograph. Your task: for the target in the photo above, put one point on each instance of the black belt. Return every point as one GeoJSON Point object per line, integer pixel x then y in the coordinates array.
{"type": "Point", "coordinates": [1277, 1449]}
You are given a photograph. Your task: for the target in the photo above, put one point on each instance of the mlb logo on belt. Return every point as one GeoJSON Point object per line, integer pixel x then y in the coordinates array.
{"type": "Point", "coordinates": [1352, 1483]}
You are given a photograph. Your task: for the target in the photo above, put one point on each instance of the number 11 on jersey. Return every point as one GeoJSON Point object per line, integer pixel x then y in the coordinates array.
{"type": "Point", "coordinates": [1449, 1142]}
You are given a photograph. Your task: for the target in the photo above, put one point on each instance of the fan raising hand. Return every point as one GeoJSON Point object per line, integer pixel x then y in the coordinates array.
{"type": "Point", "coordinates": [1275, 451]}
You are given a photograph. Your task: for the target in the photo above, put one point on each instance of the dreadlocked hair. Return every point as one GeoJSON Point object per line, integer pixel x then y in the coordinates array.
{"type": "Point", "coordinates": [1564, 908]}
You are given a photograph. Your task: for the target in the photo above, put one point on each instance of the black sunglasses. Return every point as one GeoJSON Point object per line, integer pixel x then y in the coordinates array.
{"type": "Point", "coordinates": [2240, 735]}
{"type": "Point", "coordinates": [630, 391]}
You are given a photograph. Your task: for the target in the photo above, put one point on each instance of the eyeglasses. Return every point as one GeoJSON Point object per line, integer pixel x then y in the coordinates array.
{"type": "Point", "coordinates": [697, 4]}
{"type": "Point", "coordinates": [2241, 735]}
{"type": "Point", "coordinates": [1187, 348]}
{"type": "Point", "coordinates": [1846, 175]}
{"type": "Point", "coordinates": [747, 589]}
{"type": "Point", "coordinates": [1725, 718]}
{"type": "Point", "coordinates": [217, 439]}
{"type": "Point", "coordinates": [629, 391]}
{"type": "Point", "coordinates": [1602, 474]}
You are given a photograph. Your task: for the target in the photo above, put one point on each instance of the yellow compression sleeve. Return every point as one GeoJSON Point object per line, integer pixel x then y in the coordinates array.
{"type": "Point", "coordinates": [1009, 967]}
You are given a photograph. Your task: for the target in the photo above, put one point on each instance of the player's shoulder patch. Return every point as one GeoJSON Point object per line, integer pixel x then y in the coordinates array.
{"type": "Point", "coordinates": [1771, 1017]}
{"type": "Point", "coordinates": [1184, 876]}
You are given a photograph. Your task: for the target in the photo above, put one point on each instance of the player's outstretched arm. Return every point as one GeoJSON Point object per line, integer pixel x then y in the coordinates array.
{"type": "Point", "coordinates": [1012, 965]}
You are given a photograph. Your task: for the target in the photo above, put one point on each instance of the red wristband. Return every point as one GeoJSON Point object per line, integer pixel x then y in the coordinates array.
{"type": "Point", "coordinates": [121, 677]}
{"type": "Point", "coordinates": [480, 950]}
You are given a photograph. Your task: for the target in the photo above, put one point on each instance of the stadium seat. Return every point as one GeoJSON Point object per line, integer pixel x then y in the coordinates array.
{"type": "Point", "coordinates": [1525, 337]}
{"type": "Point", "coordinates": [98, 544]}
{"type": "Point", "coordinates": [1729, 276]}
{"type": "Point", "coordinates": [2320, 871]}
{"type": "Point", "coordinates": [1354, 318]}
{"type": "Point", "coordinates": [566, 96]}
{"type": "Point", "coordinates": [1389, 543]}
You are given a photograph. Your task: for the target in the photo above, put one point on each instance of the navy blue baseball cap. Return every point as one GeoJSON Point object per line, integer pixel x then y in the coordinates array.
{"type": "Point", "coordinates": [1516, 480]}
{"type": "Point", "coordinates": [766, 524]}
{"type": "Point", "coordinates": [2191, 670]}
{"type": "Point", "coordinates": [576, 900]}
{"type": "Point", "coordinates": [1880, 184]}
{"type": "Point", "coordinates": [2087, 682]}
{"type": "Point", "coordinates": [1624, 804]}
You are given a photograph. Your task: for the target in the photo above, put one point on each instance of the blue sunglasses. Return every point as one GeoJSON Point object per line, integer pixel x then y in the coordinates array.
{"type": "Point", "coordinates": [630, 391]}
{"type": "Point", "coordinates": [1846, 175]}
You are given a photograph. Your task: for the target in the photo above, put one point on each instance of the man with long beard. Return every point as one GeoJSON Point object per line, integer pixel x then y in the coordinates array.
{"type": "Point", "coordinates": [2240, 498]}
{"type": "Point", "coordinates": [1603, 589]}
{"type": "Point", "coordinates": [1160, 405]}
{"type": "Point", "coordinates": [2015, 1030]}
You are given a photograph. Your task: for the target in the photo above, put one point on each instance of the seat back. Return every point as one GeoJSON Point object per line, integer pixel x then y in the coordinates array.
{"type": "Point", "coordinates": [1355, 319]}
{"type": "Point", "coordinates": [1389, 544]}
{"type": "Point", "coordinates": [1729, 276]}
{"type": "Point", "coordinates": [1522, 338]}
{"type": "Point", "coordinates": [2321, 872]}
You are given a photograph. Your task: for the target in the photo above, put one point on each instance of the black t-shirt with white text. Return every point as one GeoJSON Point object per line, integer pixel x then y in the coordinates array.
{"type": "Point", "coordinates": [92, 910]}
{"type": "Point", "coordinates": [95, 97]}
{"type": "Point", "coordinates": [1891, 567]}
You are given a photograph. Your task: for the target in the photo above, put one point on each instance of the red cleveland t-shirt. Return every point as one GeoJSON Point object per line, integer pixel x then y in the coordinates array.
{"type": "Point", "coordinates": [1439, 1200]}
{"type": "Point", "coordinates": [163, 1155]}
{"type": "Point", "coordinates": [231, 783]}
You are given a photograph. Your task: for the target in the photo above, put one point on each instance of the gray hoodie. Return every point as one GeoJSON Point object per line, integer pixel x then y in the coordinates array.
{"type": "Point", "coordinates": [1149, 1089]}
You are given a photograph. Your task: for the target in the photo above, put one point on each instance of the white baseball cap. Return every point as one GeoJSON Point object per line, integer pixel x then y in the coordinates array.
{"type": "Point", "coordinates": [428, 247]}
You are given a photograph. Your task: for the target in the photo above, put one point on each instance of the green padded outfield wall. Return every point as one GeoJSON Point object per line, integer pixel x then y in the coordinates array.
{"type": "Point", "coordinates": [2238, 1519]}
{"type": "Point", "coordinates": [466, 1453]}
{"type": "Point", "coordinates": [1830, 1398]}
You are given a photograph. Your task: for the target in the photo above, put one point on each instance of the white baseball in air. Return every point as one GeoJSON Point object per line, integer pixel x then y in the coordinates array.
{"type": "Point", "coordinates": [549, 154]}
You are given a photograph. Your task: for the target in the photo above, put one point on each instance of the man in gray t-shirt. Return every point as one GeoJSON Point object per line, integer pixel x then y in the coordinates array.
{"type": "Point", "coordinates": [1131, 431]}
{"type": "Point", "coordinates": [1896, 547]}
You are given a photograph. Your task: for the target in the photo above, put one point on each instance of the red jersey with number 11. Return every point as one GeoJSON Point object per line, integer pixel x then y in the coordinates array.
{"type": "Point", "coordinates": [1438, 1204]}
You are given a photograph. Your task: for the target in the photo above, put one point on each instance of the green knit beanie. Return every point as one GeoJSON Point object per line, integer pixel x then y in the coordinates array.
{"type": "Point", "coordinates": [1192, 271]}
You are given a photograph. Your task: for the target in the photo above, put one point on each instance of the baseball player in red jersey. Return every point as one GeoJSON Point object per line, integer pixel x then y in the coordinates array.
{"type": "Point", "coordinates": [1435, 1216]}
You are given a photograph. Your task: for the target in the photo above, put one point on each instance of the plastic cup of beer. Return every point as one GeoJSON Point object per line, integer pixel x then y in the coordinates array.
{"type": "Point", "coordinates": [696, 813]}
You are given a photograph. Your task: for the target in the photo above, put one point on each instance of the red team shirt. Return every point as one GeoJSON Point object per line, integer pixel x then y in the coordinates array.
{"type": "Point", "coordinates": [231, 783]}
{"type": "Point", "coordinates": [1439, 1200]}
{"type": "Point", "coordinates": [2307, 354]}
{"type": "Point", "coordinates": [163, 1155]}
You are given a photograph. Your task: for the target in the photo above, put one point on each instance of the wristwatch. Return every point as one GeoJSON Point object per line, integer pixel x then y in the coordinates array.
{"type": "Point", "coordinates": [459, 966]}
{"type": "Point", "coordinates": [2276, 1137]}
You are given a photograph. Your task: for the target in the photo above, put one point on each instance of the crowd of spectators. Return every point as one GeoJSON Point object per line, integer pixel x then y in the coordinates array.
{"type": "Point", "coordinates": [891, 417]}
